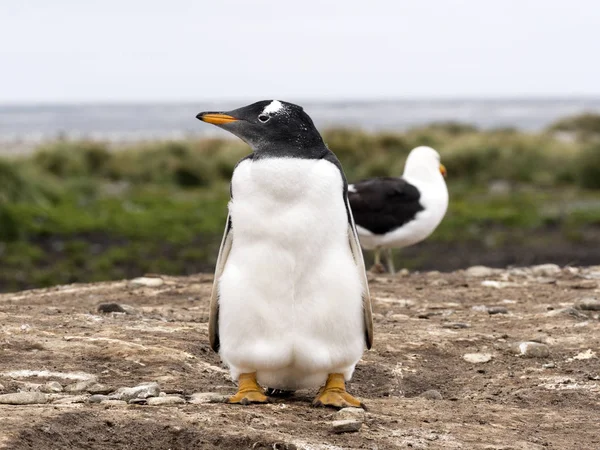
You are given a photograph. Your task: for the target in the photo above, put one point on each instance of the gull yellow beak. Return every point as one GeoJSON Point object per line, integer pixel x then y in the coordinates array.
{"type": "Point", "coordinates": [443, 170]}
{"type": "Point", "coordinates": [216, 118]}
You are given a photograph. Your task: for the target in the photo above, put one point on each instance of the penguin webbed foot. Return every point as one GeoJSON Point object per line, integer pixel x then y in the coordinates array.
{"type": "Point", "coordinates": [249, 391]}
{"type": "Point", "coordinates": [334, 394]}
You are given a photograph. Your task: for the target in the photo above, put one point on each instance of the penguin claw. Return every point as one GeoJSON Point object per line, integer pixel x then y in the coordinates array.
{"type": "Point", "coordinates": [248, 398]}
{"type": "Point", "coordinates": [337, 399]}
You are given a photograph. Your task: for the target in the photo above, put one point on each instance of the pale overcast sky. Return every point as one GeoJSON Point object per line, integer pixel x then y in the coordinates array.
{"type": "Point", "coordinates": [190, 50]}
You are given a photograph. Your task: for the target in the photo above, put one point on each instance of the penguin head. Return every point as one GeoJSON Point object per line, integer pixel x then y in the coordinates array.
{"type": "Point", "coordinates": [270, 126]}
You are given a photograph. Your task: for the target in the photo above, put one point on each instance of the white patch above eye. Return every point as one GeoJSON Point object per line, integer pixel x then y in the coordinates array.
{"type": "Point", "coordinates": [273, 107]}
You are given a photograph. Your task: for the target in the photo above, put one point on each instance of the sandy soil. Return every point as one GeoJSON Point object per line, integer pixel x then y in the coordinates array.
{"type": "Point", "coordinates": [425, 324]}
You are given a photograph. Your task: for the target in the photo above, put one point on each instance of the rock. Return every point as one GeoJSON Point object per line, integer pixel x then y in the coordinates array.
{"type": "Point", "coordinates": [207, 397]}
{"type": "Point", "coordinates": [588, 354]}
{"type": "Point", "coordinates": [398, 317]}
{"type": "Point", "coordinates": [431, 394]}
{"type": "Point", "coordinates": [480, 271]}
{"type": "Point", "coordinates": [23, 398]}
{"type": "Point", "coordinates": [585, 284]}
{"type": "Point", "coordinates": [166, 400]}
{"type": "Point", "coordinates": [143, 390]}
{"type": "Point", "coordinates": [572, 312]}
{"type": "Point", "coordinates": [111, 402]}
{"type": "Point", "coordinates": [97, 398]}
{"type": "Point", "coordinates": [98, 388]}
{"type": "Point", "coordinates": [588, 304]}
{"type": "Point", "coordinates": [147, 282]}
{"type": "Point", "coordinates": [345, 426]}
{"type": "Point", "coordinates": [80, 386]}
{"type": "Point", "coordinates": [455, 325]}
{"type": "Point", "coordinates": [549, 366]}
{"type": "Point", "coordinates": [533, 350]}
{"type": "Point", "coordinates": [51, 387]}
{"type": "Point", "coordinates": [497, 310]}
{"type": "Point", "coordinates": [546, 270]}
{"type": "Point", "coordinates": [498, 284]}
{"type": "Point", "coordinates": [70, 400]}
{"type": "Point", "coordinates": [107, 308]}
{"type": "Point", "coordinates": [477, 358]}
{"type": "Point", "coordinates": [350, 414]}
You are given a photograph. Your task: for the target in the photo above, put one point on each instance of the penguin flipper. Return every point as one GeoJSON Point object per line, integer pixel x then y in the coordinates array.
{"type": "Point", "coordinates": [360, 263]}
{"type": "Point", "coordinates": [213, 320]}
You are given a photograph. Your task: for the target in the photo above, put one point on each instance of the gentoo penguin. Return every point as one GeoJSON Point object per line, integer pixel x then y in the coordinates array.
{"type": "Point", "coordinates": [398, 212]}
{"type": "Point", "coordinates": [290, 306]}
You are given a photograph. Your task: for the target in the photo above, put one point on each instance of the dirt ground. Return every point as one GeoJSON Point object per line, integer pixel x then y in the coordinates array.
{"type": "Point", "coordinates": [424, 324]}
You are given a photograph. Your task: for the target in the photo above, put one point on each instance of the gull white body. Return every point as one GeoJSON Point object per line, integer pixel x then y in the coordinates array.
{"type": "Point", "coordinates": [425, 176]}
{"type": "Point", "coordinates": [290, 294]}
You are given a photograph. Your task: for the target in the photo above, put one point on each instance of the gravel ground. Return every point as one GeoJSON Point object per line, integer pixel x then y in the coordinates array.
{"type": "Point", "coordinates": [475, 359]}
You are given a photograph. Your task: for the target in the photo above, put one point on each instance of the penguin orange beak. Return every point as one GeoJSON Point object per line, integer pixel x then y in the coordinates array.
{"type": "Point", "coordinates": [443, 170]}
{"type": "Point", "coordinates": [216, 118]}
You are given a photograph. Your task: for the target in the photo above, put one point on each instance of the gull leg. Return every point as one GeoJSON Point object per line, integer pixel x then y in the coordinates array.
{"type": "Point", "coordinates": [390, 258]}
{"type": "Point", "coordinates": [377, 267]}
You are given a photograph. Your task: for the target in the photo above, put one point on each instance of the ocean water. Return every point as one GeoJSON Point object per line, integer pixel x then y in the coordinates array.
{"type": "Point", "coordinates": [23, 126]}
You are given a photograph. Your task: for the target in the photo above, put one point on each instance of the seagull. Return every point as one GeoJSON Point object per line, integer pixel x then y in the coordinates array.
{"type": "Point", "coordinates": [395, 212]}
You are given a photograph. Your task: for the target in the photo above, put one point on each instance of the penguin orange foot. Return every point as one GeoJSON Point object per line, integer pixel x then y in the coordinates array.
{"type": "Point", "coordinates": [249, 391]}
{"type": "Point", "coordinates": [334, 394]}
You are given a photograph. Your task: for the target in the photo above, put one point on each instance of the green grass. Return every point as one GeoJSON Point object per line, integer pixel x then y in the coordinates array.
{"type": "Point", "coordinates": [81, 211]}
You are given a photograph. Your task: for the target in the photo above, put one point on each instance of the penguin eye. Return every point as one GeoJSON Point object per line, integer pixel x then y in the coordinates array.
{"type": "Point", "coordinates": [263, 118]}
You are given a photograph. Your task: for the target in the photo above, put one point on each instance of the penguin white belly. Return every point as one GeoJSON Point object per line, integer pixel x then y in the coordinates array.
{"type": "Point", "coordinates": [290, 294]}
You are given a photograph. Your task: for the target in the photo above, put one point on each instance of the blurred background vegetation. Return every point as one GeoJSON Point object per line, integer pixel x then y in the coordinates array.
{"type": "Point", "coordinates": [85, 211]}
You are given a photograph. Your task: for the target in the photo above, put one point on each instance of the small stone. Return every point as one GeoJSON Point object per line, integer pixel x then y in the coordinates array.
{"type": "Point", "coordinates": [207, 397]}
{"type": "Point", "coordinates": [546, 270]}
{"type": "Point", "coordinates": [550, 365]}
{"type": "Point", "coordinates": [497, 284]}
{"type": "Point", "coordinates": [456, 325]}
{"type": "Point", "coordinates": [572, 312]}
{"type": "Point", "coordinates": [477, 358]}
{"type": "Point", "coordinates": [588, 354]}
{"type": "Point", "coordinates": [345, 426]}
{"type": "Point", "coordinates": [107, 308]}
{"type": "Point", "coordinates": [51, 387]}
{"type": "Point", "coordinates": [480, 271]}
{"type": "Point", "coordinates": [80, 386]}
{"type": "Point", "coordinates": [166, 400]}
{"type": "Point", "coordinates": [23, 398]}
{"type": "Point", "coordinates": [98, 388]}
{"type": "Point", "coordinates": [497, 310]}
{"type": "Point", "coordinates": [479, 308]}
{"type": "Point", "coordinates": [588, 304]}
{"type": "Point", "coordinates": [70, 400]}
{"type": "Point", "coordinates": [350, 414]}
{"type": "Point", "coordinates": [97, 398]}
{"type": "Point", "coordinates": [111, 402]}
{"type": "Point", "coordinates": [533, 350]}
{"type": "Point", "coordinates": [398, 317]}
{"type": "Point", "coordinates": [432, 394]}
{"type": "Point", "coordinates": [143, 390]}
{"type": "Point", "coordinates": [147, 282]}
{"type": "Point", "coordinates": [585, 284]}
